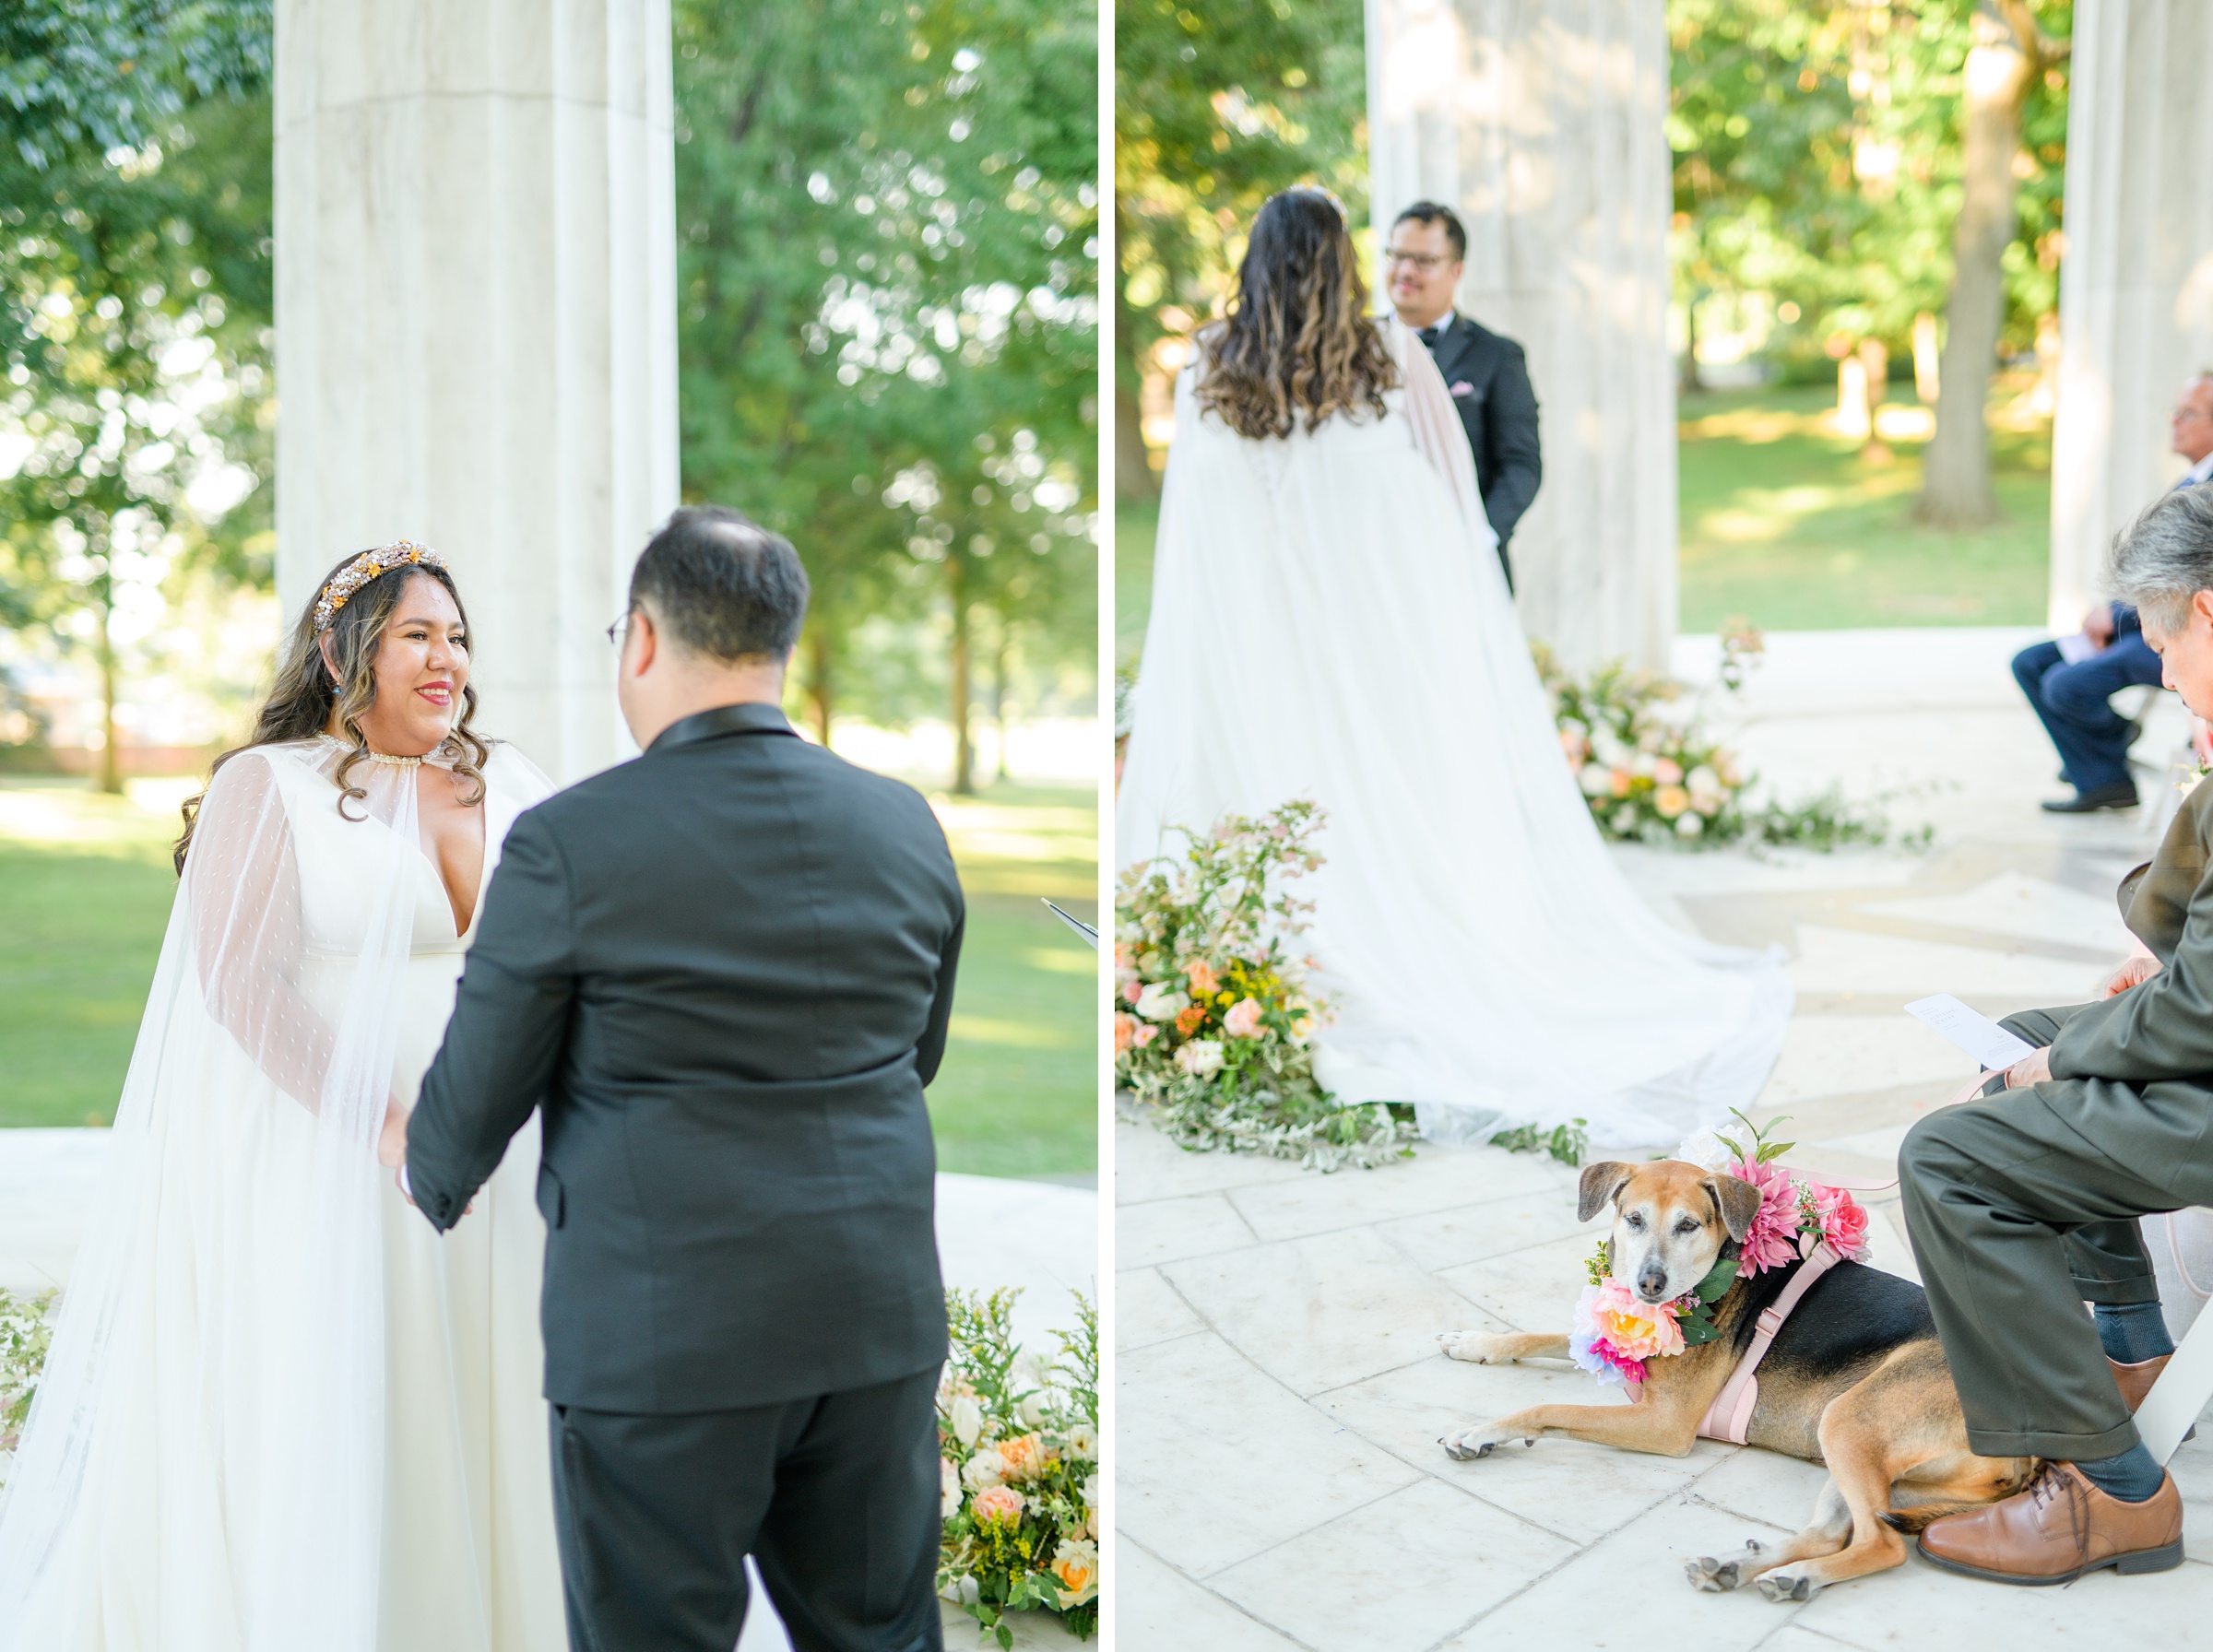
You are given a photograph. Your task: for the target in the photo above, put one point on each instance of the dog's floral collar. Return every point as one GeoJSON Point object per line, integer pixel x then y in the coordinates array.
{"type": "Point", "coordinates": [1617, 1330]}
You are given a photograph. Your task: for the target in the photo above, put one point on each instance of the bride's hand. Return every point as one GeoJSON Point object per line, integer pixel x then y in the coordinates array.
{"type": "Point", "coordinates": [392, 1141]}
{"type": "Point", "coordinates": [2134, 972]}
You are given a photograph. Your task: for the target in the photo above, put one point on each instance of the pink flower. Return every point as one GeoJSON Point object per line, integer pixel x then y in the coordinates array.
{"type": "Point", "coordinates": [1132, 991]}
{"type": "Point", "coordinates": [1668, 771]}
{"type": "Point", "coordinates": [1124, 1032]}
{"type": "Point", "coordinates": [1774, 1241]}
{"type": "Point", "coordinates": [1632, 1327]}
{"type": "Point", "coordinates": [1145, 1033]}
{"type": "Point", "coordinates": [1843, 1222]}
{"type": "Point", "coordinates": [997, 1503]}
{"type": "Point", "coordinates": [1243, 1019]}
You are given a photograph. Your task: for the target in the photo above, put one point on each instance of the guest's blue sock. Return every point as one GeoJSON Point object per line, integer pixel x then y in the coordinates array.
{"type": "Point", "coordinates": [2131, 1477]}
{"type": "Point", "coordinates": [2132, 1332]}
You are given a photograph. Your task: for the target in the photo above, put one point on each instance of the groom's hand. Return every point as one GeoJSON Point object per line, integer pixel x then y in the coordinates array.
{"type": "Point", "coordinates": [2030, 1069]}
{"type": "Point", "coordinates": [2134, 971]}
{"type": "Point", "coordinates": [392, 1141]}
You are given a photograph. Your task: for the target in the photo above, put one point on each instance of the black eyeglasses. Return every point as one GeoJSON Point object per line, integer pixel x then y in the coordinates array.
{"type": "Point", "coordinates": [618, 630]}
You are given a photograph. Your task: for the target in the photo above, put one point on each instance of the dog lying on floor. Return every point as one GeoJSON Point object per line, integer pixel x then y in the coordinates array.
{"type": "Point", "coordinates": [1855, 1380]}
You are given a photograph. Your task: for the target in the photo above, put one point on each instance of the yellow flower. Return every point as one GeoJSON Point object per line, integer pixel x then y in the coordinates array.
{"type": "Point", "coordinates": [1076, 1570]}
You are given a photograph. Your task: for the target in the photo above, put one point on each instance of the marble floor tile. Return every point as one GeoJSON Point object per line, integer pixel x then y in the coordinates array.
{"type": "Point", "coordinates": [1764, 1486]}
{"type": "Point", "coordinates": [1627, 1593]}
{"type": "Point", "coordinates": [1832, 1055]}
{"type": "Point", "coordinates": [1395, 1575]}
{"type": "Point", "coordinates": [1571, 1487]}
{"type": "Point", "coordinates": [1831, 959]}
{"type": "Point", "coordinates": [1436, 1178]}
{"type": "Point", "coordinates": [1147, 1310]}
{"type": "Point", "coordinates": [1535, 1289]}
{"type": "Point", "coordinates": [1163, 1230]}
{"type": "Point", "coordinates": [1919, 1605]}
{"type": "Point", "coordinates": [1148, 1165]}
{"type": "Point", "coordinates": [1323, 1312]}
{"type": "Point", "coordinates": [1471, 1233]}
{"type": "Point", "coordinates": [1157, 1608]}
{"type": "Point", "coordinates": [2017, 904]}
{"type": "Point", "coordinates": [1215, 1461]}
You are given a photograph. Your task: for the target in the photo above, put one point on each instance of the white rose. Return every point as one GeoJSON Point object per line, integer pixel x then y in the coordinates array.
{"type": "Point", "coordinates": [1702, 781]}
{"type": "Point", "coordinates": [949, 1489]}
{"type": "Point", "coordinates": [968, 1418]}
{"type": "Point", "coordinates": [1688, 824]}
{"type": "Point", "coordinates": [1031, 1410]}
{"type": "Point", "coordinates": [1201, 1057]}
{"type": "Point", "coordinates": [1161, 1002]}
{"type": "Point", "coordinates": [1708, 1151]}
{"type": "Point", "coordinates": [1625, 819]}
{"type": "Point", "coordinates": [1083, 1442]}
{"type": "Point", "coordinates": [1596, 780]}
{"type": "Point", "coordinates": [1647, 766]}
{"type": "Point", "coordinates": [985, 1469]}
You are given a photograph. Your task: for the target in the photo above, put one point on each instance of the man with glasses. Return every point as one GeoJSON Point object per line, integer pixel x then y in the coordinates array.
{"type": "Point", "coordinates": [1487, 374]}
{"type": "Point", "coordinates": [2070, 698]}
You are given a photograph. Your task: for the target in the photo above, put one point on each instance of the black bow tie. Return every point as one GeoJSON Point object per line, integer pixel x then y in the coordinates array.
{"type": "Point", "coordinates": [1428, 336]}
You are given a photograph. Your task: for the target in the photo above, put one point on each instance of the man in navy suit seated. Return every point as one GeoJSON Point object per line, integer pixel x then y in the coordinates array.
{"type": "Point", "coordinates": [1486, 371]}
{"type": "Point", "coordinates": [2071, 700]}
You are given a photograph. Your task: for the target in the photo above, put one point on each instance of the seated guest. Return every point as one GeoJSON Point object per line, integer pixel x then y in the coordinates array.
{"type": "Point", "coordinates": [2072, 700]}
{"type": "Point", "coordinates": [2023, 1206]}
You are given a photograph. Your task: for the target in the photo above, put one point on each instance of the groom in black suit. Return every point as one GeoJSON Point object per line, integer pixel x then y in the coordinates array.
{"type": "Point", "coordinates": [1486, 371]}
{"type": "Point", "coordinates": [723, 971]}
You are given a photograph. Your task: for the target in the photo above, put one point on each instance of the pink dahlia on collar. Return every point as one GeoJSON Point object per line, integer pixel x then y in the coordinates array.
{"type": "Point", "coordinates": [1773, 1240]}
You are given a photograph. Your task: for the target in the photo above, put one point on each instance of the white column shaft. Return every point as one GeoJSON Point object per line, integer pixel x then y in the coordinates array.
{"type": "Point", "coordinates": [2135, 286]}
{"type": "Point", "coordinates": [476, 322]}
{"type": "Point", "coordinates": [1541, 122]}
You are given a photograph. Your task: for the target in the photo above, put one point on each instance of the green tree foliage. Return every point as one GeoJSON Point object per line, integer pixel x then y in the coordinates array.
{"type": "Point", "coordinates": [1817, 159]}
{"type": "Point", "coordinates": [135, 309]}
{"type": "Point", "coordinates": [1218, 105]}
{"type": "Point", "coordinates": [887, 257]}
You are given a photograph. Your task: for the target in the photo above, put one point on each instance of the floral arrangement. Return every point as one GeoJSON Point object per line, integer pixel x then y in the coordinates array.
{"type": "Point", "coordinates": [1656, 778]}
{"type": "Point", "coordinates": [1616, 1331]}
{"type": "Point", "coordinates": [26, 1333]}
{"type": "Point", "coordinates": [1212, 1016]}
{"type": "Point", "coordinates": [1018, 1465]}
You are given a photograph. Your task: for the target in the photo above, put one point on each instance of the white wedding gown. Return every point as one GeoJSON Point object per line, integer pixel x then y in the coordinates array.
{"type": "Point", "coordinates": [282, 1412]}
{"type": "Point", "coordinates": [1330, 621]}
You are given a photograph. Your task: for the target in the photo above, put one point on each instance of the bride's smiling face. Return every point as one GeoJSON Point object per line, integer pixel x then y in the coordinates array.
{"type": "Point", "coordinates": [421, 666]}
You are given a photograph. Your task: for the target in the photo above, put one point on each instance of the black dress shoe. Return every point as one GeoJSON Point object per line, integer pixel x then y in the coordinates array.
{"type": "Point", "coordinates": [2106, 797]}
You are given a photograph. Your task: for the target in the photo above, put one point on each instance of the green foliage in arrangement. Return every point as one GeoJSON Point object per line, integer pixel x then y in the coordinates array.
{"type": "Point", "coordinates": [1019, 1468]}
{"type": "Point", "coordinates": [26, 1335]}
{"type": "Point", "coordinates": [1214, 1021]}
{"type": "Point", "coordinates": [1566, 1142]}
{"type": "Point", "coordinates": [887, 332]}
{"type": "Point", "coordinates": [1817, 148]}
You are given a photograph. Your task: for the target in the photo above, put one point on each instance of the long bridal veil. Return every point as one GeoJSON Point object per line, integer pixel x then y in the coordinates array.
{"type": "Point", "coordinates": [1328, 620]}
{"type": "Point", "coordinates": [220, 1347]}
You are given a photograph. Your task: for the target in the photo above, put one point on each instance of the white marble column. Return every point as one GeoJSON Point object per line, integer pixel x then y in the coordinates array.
{"type": "Point", "coordinates": [1540, 122]}
{"type": "Point", "coordinates": [476, 322]}
{"type": "Point", "coordinates": [2136, 284]}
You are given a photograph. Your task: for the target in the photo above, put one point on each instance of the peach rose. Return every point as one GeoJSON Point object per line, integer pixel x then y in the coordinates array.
{"type": "Point", "coordinates": [1671, 801]}
{"type": "Point", "coordinates": [1203, 978]}
{"type": "Point", "coordinates": [1667, 771]}
{"type": "Point", "coordinates": [1125, 1031]}
{"type": "Point", "coordinates": [997, 1504]}
{"type": "Point", "coordinates": [1024, 1456]}
{"type": "Point", "coordinates": [1637, 1329]}
{"type": "Point", "coordinates": [1076, 1570]}
{"type": "Point", "coordinates": [1243, 1019]}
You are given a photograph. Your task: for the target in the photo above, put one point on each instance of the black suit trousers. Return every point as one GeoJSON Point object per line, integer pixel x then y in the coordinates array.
{"type": "Point", "coordinates": [836, 1497]}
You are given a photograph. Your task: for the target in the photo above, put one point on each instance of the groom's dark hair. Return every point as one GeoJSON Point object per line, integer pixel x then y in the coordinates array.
{"type": "Point", "coordinates": [1430, 212]}
{"type": "Point", "coordinates": [723, 585]}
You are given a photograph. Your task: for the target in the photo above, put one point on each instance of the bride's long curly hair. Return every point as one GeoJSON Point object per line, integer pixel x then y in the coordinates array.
{"type": "Point", "coordinates": [1299, 338]}
{"type": "Point", "coordinates": [306, 693]}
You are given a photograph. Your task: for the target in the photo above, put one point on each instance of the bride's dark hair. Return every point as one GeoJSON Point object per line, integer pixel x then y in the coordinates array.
{"type": "Point", "coordinates": [1298, 338]}
{"type": "Point", "coordinates": [299, 705]}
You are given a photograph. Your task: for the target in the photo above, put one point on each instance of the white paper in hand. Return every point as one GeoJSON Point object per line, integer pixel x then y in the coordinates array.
{"type": "Point", "coordinates": [1980, 1036]}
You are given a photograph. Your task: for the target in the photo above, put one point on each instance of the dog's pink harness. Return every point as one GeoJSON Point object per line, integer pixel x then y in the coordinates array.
{"type": "Point", "coordinates": [1729, 1415]}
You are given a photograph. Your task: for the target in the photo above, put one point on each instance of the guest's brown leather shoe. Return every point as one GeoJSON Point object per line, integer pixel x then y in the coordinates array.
{"type": "Point", "coordinates": [2057, 1530]}
{"type": "Point", "coordinates": [2134, 1381]}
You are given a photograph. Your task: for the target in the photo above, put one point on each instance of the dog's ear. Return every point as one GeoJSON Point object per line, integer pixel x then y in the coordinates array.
{"type": "Point", "coordinates": [1600, 1182]}
{"type": "Point", "coordinates": [1737, 1201]}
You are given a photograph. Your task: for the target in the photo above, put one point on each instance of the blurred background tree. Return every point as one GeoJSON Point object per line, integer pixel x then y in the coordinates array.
{"type": "Point", "coordinates": [887, 248]}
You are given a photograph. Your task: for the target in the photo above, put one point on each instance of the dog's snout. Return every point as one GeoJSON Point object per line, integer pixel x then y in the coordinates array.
{"type": "Point", "coordinates": [1651, 1280]}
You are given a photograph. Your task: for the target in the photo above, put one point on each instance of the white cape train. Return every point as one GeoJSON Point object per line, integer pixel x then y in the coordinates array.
{"type": "Point", "coordinates": [281, 1414]}
{"type": "Point", "coordinates": [1330, 621]}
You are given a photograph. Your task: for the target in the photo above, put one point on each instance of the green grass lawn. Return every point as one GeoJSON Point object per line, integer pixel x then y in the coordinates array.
{"type": "Point", "coordinates": [1789, 527]}
{"type": "Point", "coordinates": [1793, 530]}
{"type": "Point", "coordinates": [86, 888]}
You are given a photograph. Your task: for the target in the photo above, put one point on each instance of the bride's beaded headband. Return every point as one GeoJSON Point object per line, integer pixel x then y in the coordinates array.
{"type": "Point", "coordinates": [369, 565]}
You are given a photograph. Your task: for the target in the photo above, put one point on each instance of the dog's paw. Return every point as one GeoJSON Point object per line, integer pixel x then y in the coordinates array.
{"type": "Point", "coordinates": [1478, 1348]}
{"type": "Point", "coordinates": [1472, 1443]}
{"type": "Point", "coordinates": [1715, 1575]}
{"type": "Point", "coordinates": [1787, 1585]}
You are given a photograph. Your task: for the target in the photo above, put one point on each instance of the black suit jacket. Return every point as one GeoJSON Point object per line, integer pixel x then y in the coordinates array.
{"type": "Point", "coordinates": [724, 971]}
{"type": "Point", "coordinates": [1488, 376]}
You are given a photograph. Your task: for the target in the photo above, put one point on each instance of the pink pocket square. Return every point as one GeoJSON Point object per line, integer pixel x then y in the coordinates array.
{"type": "Point", "coordinates": [1463, 388]}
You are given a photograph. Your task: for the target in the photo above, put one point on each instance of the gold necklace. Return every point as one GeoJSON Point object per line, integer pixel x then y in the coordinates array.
{"type": "Point", "coordinates": [398, 763]}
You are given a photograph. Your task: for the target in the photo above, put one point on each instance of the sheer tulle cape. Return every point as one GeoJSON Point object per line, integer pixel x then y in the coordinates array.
{"type": "Point", "coordinates": [1328, 620]}
{"type": "Point", "coordinates": [221, 1336]}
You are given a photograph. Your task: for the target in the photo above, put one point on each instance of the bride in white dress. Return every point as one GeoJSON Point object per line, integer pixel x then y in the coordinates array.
{"type": "Point", "coordinates": [1330, 621]}
{"type": "Point", "coordinates": [281, 1414]}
